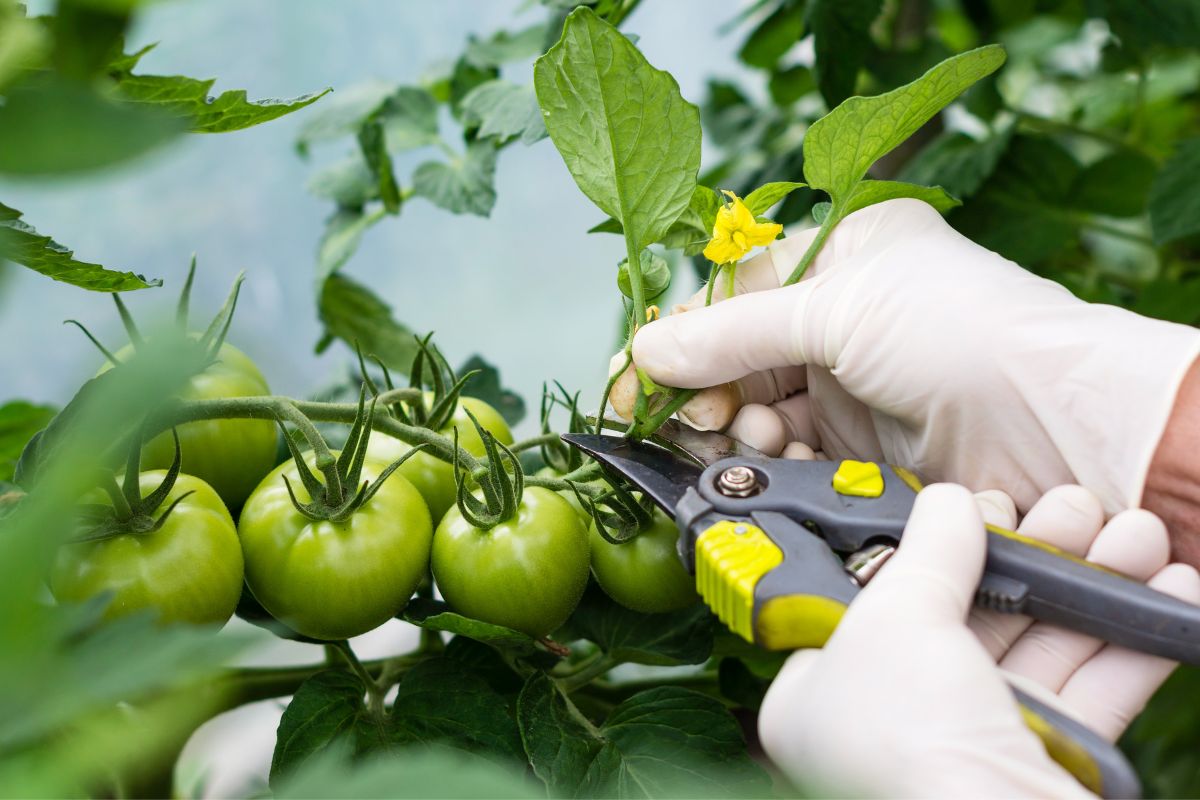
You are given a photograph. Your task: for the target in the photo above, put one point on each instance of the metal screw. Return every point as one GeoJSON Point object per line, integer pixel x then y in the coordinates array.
{"type": "Point", "coordinates": [738, 482]}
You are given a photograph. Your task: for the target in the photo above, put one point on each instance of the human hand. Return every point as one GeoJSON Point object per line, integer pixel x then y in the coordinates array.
{"type": "Point", "coordinates": [910, 344]}
{"type": "Point", "coordinates": [910, 696]}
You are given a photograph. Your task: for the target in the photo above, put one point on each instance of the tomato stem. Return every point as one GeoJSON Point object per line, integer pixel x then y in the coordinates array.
{"type": "Point", "coordinates": [608, 387]}
{"type": "Point", "coordinates": [590, 670]}
{"type": "Point", "coordinates": [375, 695]}
{"type": "Point", "coordinates": [814, 249]}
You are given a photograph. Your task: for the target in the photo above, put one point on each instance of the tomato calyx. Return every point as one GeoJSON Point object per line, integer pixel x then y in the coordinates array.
{"type": "Point", "coordinates": [502, 487]}
{"type": "Point", "coordinates": [209, 341]}
{"type": "Point", "coordinates": [619, 515]}
{"type": "Point", "coordinates": [339, 495]}
{"type": "Point", "coordinates": [434, 409]}
{"type": "Point", "coordinates": [556, 453]}
{"type": "Point", "coordinates": [130, 513]}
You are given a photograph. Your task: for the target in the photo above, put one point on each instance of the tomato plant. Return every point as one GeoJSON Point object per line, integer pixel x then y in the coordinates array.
{"type": "Point", "coordinates": [433, 477]}
{"type": "Point", "coordinates": [525, 678]}
{"type": "Point", "coordinates": [644, 573]}
{"type": "Point", "coordinates": [183, 565]}
{"type": "Point", "coordinates": [332, 565]}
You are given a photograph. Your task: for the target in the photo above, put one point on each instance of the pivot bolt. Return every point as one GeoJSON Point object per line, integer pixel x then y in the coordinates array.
{"type": "Point", "coordinates": [738, 482]}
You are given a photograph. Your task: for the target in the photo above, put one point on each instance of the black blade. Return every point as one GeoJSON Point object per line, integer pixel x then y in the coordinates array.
{"type": "Point", "coordinates": [662, 475]}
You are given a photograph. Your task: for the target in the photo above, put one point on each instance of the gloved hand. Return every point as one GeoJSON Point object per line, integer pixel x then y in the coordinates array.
{"type": "Point", "coordinates": [906, 699]}
{"type": "Point", "coordinates": [908, 343]}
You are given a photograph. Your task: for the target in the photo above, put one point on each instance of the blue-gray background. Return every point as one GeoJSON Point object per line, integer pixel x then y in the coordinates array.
{"type": "Point", "coordinates": [526, 288]}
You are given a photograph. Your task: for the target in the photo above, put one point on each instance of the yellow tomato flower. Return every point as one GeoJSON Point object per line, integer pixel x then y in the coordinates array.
{"type": "Point", "coordinates": [736, 232]}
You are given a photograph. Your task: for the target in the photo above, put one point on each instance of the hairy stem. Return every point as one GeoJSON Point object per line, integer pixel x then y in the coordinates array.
{"type": "Point", "coordinates": [814, 249]}
{"type": "Point", "coordinates": [591, 669]}
{"type": "Point", "coordinates": [272, 406]}
{"type": "Point", "coordinates": [375, 694]}
{"type": "Point", "coordinates": [608, 387]}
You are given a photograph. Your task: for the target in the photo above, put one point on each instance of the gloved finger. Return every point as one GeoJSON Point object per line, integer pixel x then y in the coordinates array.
{"type": "Point", "coordinates": [845, 426]}
{"type": "Point", "coordinates": [1134, 543]}
{"type": "Point", "coordinates": [1115, 684]}
{"type": "Point", "coordinates": [798, 451]}
{"type": "Point", "coordinates": [770, 428]}
{"type": "Point", "coordinates": [714, 408]}
{"type": "Point", "coordinates": [724, 342]}
{"type": "Point", "coordinates": [776, 720]}
{"type": "Point", "coordinates": [996, 508]}
{"type": "Point", "coordinates": [933, 576]}
{"type": "Point", "coordinates": [1068, 517]}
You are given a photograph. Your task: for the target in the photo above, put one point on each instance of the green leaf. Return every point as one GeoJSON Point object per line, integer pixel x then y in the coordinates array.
{"type": "Point", "coordinates": [1141, 24]}
{"type": "Point", "coordinates": [344, 112]}
{"type": "Point", "coordinates": [1019, 211]}
{"type": "Point", "coordinates": [425, 773]}
{"type": "Point", "coordinates": [673, 742]}
{"type": "Point", "coordinates": [656, 275]}
{"type": "Point", "coordinates": [373, 145]}
{"type": "Point", "coordinates": [789, 85]}
{"type": "Point", "coordinates": [188, 100]}
{"type": "Point", "coordinates": [840, 147]}
{"type": "Point", "coordinates": [558, 746]}
{"type": "Point", "coordinates": [353, 313]}
{"type": "Point", "coordinates": [774, 36]}
{"type": "Point", "coordinates": [486, 386]}
{"type": "Point", "coordinates": [409, 117]}
{"type": "Point", "coordinates": [505, 111]}
{"type": "Point", "coordinates": [1174, 201]}
{"type": "Point", "coordinates": [347, 182]}
{"type": "Point", "coordinates": [23, 245]}
{"type": "Point", "coordinates": [628, 137]}
{"type": "Point", "coordinates": [761, 199]}
{"type": "Point", "coordinates": [868, 193]}
{"type": "Point", "coordinates": [1118, 185]}
{"type": "Point", "coordinates": [23, 42]}
{"type": "Point", "coordinates": [442, 700]}
{"type": "Point", "coordinates": [326, 707]}
{"type": "Point", "coordinates": [820, 211]}
{"type": "Point", "coordinates": [1169, 299]}
{"type": "Point", "coordinates": [19, 421]}
{"type": "Point", "coordinates": [957, 162]}
{"type": "Point", "coordinates": [680, 637]}
{"type": "Point", "coordinates": [53, 126]}
{"type": "Point", "coordinates": [437, 616]}
{"type": "Point", "coordinates": [503, 47]}
{"type": "Point", "coordinates": [609, 225]}
{"type": "Point", "coordinates": [340, 239]}
{"type": "Point", "coordinates": [842, 39]}
{"type": "Point", "coordinates": [464, 186]}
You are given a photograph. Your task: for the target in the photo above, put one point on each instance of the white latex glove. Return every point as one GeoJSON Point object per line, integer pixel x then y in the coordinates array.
{"type": "Point", "coordinates": [906, 701]}
{"type": "Point", "coordinates": [910, 344]}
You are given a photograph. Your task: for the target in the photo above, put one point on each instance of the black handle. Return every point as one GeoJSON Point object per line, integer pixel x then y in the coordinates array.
{"type": "Point", "coordinates": [1027, 576]}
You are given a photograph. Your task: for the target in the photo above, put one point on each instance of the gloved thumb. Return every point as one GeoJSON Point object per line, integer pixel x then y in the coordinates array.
{"type": "Point", "coordinates": [934, 574]}
{"type": "Point", "coordinates": [725, 341]}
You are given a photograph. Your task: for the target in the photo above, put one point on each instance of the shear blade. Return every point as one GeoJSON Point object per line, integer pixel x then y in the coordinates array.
{"type": "Point", "coordinates": [661, 475]}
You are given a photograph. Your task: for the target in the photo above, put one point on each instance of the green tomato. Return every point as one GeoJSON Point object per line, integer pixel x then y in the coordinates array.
{"type": "Point", "coordinates": [231, 455]}
{"type": "Point", "coordinates": [334, 580]}
{"type": "Point", "coordinates": [646, 573]}
{"type": "Point", "coordinates": [189, 570]}
{"type": "Point", "coordinates": [433, 477]}
{"type": "Point", "coordinates": [527, 573]}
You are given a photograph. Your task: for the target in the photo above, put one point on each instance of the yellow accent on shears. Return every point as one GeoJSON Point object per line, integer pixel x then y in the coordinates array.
{"type": "Point", "coordinates": [858, 479]}
{"type": "Point", "coordinates": [731, 557]}
{"type": "Point", "coordinates": [910, 479]}
{"type": "Point", "coordinates": [797, 620]}
{"type": "Point", "coordinates": [1049, 548]}
{"type": "Point", "coordinates": [1066, 752]}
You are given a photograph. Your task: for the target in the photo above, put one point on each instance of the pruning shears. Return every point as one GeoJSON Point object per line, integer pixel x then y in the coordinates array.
{"type": "Point", "coordinates": [781, 547]}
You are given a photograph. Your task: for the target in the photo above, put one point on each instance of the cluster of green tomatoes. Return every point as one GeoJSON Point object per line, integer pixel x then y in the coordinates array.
{"type": "Point", "coordinates": [330, 568]}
